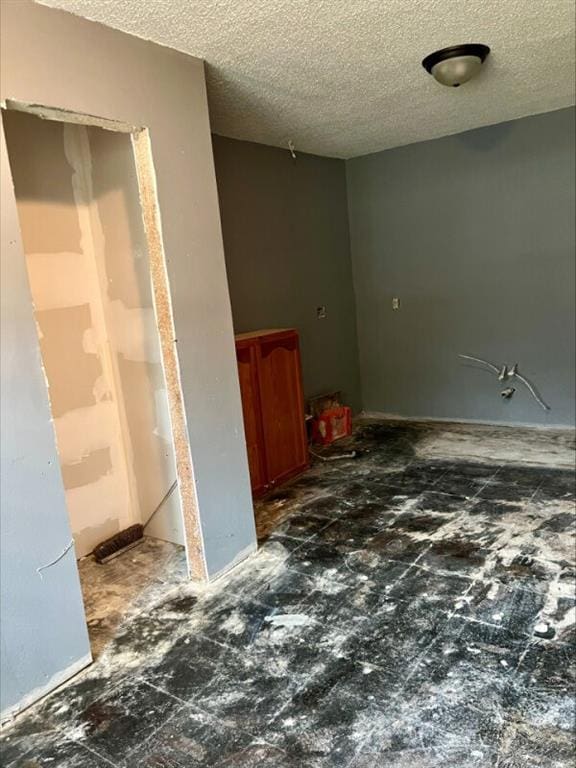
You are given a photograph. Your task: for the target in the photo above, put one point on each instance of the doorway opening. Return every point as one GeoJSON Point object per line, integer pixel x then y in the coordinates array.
{"type": "Point", "coordinates": [87, 256]}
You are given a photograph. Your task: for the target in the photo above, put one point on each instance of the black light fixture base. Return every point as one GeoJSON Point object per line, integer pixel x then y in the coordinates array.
{"type": "Point", "coordinates": [467, 49]}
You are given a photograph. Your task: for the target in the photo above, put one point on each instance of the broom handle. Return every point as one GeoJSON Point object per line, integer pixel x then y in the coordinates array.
{"type": "Point", "coordinates": [166, 495]}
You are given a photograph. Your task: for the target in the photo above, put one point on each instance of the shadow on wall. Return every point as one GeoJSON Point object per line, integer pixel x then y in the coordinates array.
{"type": "Point", "coordinates": [485, 141]}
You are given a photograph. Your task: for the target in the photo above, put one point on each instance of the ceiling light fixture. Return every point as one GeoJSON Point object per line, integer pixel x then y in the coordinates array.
{"type": "Point", "coordinates": [457, 64]}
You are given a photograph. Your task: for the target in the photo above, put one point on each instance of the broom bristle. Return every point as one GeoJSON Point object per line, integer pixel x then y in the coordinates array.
{"type": "Point", "coordinates": [119, 541]}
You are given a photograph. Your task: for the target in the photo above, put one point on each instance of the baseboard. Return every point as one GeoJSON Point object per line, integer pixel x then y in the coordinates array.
{"type": "Point", "coordinates": [244, 555]}
{"type": "Point", "coordinates": [38, 693]}
{"type": "Point", "coordinates": [381, 416]}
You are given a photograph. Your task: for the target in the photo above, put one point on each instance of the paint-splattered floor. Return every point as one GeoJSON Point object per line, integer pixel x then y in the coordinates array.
{"type": "Point", "coordinates": [126, 586]}
{"type": "Point", "coordinates": [410, 608]}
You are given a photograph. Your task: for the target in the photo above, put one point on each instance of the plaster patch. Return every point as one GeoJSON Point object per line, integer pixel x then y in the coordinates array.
{"type": "Point", "coordinates": [85, 430]}
{"type": "Point", "coordinates": [153, 458]}
{"type": "Point", "coordinates": [58, 279]}
{"type": "Point", "coordinates": [71, 373]}
{"type": "Point", "coordinates": [163, 427]}
{"type": "Point", "coordinates": [135, 332]}
{"type": "Point", "coordinates": [90, 468]}
{"type": "Point", "coordinates": [103, 499]}
{"type": "Point", "coordinates": [77, 150]}
{"type": "Point", "coordinates": [102, 390]}
{"type": "Point", "coordinates": [87, 537]}
{"type": "Point", "coordinates": [89, 342]}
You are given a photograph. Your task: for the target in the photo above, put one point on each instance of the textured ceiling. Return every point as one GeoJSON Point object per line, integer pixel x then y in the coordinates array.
{"type": "Point", "coordinates": [343, 77]}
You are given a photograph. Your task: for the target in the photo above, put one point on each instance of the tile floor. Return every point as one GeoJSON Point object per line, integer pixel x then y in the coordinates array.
{"type": "Point", "coordinates": [412, 607]}
{"type": "Point", "coordinates": [126, 586]}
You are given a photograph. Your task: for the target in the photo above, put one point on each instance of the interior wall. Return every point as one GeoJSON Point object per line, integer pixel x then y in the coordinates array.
{"type": "Point", "coordinates": [86, 254]}
{"type": "Point", "coordinates": [50, 168]}
{"type": "Point", "coordinates": [286, 242]}
{"type": "Point", "coordinates": [56, 59]}
{"type": "Point", "coordinates": [474, 233]}
{"type": "Point", "coordinates": [44, 636]}
{"type": "Point", "coordinates": [126, 289]}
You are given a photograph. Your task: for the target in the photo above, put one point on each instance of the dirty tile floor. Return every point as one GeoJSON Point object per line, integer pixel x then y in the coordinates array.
{"type": "Point", "coordinates": [411, 607]}
{"type": "Point", "coordinates": [127, 585]}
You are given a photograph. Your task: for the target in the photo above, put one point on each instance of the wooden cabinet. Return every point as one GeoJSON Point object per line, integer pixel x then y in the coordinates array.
{"type": "Point", "coordinates": [273, 406]}
{"type": "Point", "coordinates": [247, 357]}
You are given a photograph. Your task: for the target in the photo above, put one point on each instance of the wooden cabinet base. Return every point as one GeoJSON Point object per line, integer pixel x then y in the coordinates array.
{"type": "Point", "coordinates": [270, 377]}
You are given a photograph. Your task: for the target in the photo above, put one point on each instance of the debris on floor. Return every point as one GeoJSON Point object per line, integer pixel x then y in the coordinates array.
{"type": "Point", "coordinates": [412, 607]}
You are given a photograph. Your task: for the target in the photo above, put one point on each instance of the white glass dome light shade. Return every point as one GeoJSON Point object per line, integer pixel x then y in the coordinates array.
{"type": "Point", "coordinates": [454, 72]}
{"type": "Point", "coordinates": [456, 65]}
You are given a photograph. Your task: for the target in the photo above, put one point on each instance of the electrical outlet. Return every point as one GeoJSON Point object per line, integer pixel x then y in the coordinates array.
{"type": "Point", "coordinates": [321, 313]}
{"type": "Point", "coordinates": [395, 303]}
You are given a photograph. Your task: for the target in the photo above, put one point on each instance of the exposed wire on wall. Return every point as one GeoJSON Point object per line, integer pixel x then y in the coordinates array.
{"type": "Point", "coordinates": [504, 373]}
{"type": "Point", "coordinates": [292, 149]}
{"type": "Point", "coordinates": [57, 559]}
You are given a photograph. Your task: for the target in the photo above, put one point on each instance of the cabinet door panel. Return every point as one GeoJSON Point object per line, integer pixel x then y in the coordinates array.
{"type": "Point", "coordinates": [282, 407]}
{"type": "Point", "coordinates": [248, 375]}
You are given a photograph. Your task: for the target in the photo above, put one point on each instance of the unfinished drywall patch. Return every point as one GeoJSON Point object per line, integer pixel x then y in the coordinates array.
{"type": "Point", "coordinates": [95, 464]}
{"type": "Point", "coordinates": [131, 326]}
{"type": "Point", "coordinates": [103, 353]}
{"type": "Point", "coordinates": [55, 294]}
{"type": "Point", "coordinates": [146, 413]}
{"type": "Point", "coordinates": [73, 337]}
{"type": "Point", "coordinates": [72, 374]}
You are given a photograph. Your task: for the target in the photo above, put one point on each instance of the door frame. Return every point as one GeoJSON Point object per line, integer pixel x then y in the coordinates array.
{"type": "Point", "coordinates": [164, 321]}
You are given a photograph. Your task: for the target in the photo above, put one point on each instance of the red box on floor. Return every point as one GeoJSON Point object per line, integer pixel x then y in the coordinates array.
{"type": "Point", "coordinates": [332, 424]}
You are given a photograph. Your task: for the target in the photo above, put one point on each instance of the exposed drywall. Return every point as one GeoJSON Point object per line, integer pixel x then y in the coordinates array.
{"type": "Point", "coordinates": [475, 234]}
{"type": "Point", "coordinates": [53, 58]}
{"type": "Point", "coordinates": [104, 353]}
{"type": "Point", "coordinates": [285, 225]}
{"type": "Point", "coordinates": [57, 220]}
{"type": "Point", "coordinates": [132, 329]}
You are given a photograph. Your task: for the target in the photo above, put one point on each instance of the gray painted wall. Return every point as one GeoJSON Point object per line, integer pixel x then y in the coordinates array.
{"type": "Point", "coordinates": [43, 625]}
{"type": "Point", "coordinates": [286, 241]}
{"type": "Point", "coordinates": [475, 234]}
{"type": "Point", "coordinates": [90, 69]}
